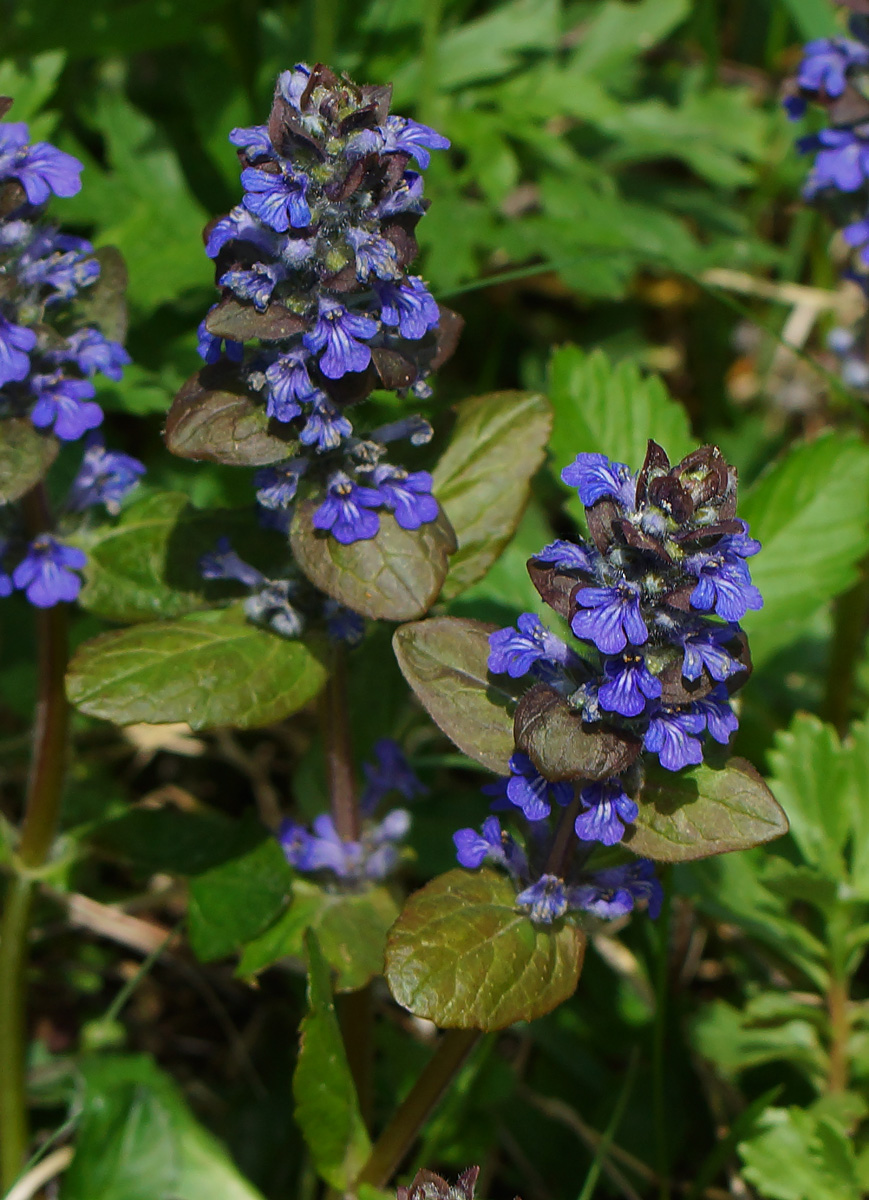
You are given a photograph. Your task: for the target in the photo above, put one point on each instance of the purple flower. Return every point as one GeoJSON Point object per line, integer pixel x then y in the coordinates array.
{"type": "Point", "coordinates": [492, 844]}
{"type": "Point", "coordinates": [322, 850]}
{"type": "Point", "coordinates": [857, 234]}
{"type": "Point", "coordinates": [63, 403]}
{"type": "Point", "coordinates": [239, 225]}
{"type": "Point", "coordinates": [825, 62]}
{"type": "Point", "coordinates": [211, 347]}
{"type": "Point", "coordinates": [409, 305]}
{"type": "Point", "coordinates": [567, 555]}
{"type": "Point", "coordinates": [527, 789]}
{"type": "Point", "coordinates": [277, 486]}
{"type": "Point", "coordinates": [58, 261]}
{"type": "Point", "coordinates": [224, 563]}
{"type": "Point", "coordinates": [91, 352]}
{"type": "Point", "coordinates": [672, 735]}
{"type": "Point", "coordinates": [408, 495]}
{"type": "Point", "coordinates": [842, 161]}
{"type": "Point", "coordinates": [405, 197]}
{"type": "Point", "coordinates": [610, 617]}
{"type": "Point", "coordinates": [326, 427]}
{"type": "Point", "coordinates": [16, 342]}
{"type": "Point", "coordinates": [704, 647]}
{"type": "Point", "coordinates": [390, 772]}
{"type": "Point", "coordinates": [345, 512]}
{"type": "Point", "coordinates": [253, 139]}
{"type": "Point", "coordinates": [721, 720]}
{"type": "Point", "coordinates": [336, 334]}
{"type": "Point", "coordinates": [288, 383]}
{"type": "Point", "coordinates": [402, 135]}
{"type": "Point", "coordinates": [544, 901]}
{"type": "Point", "coordinates": [614, 891]}
{"type": "Point", "coordinates": [629, 684]}
{"type": "Point", "coordinates": [594, 476]}
{"type": "Point", "coordinates": [374, 256]}
{"type": "Point", "coordinates": [104, 477]}
{"type": "Point", "coordinates": [723, 579]}
{"type": "Point", "coordinates": [291, 84]}
{"type": "Point", "coordinates": [514, 652]}
{"type": "Point", "coordinates": [380, 844]}
{"type": "Point", "coordinates": [256, 284]}
{"type": "Point", "coordinates": [47, 572]}
{"type": "Point", "coordinates": [278, 200]}
{"type": "Point", "coordinates": [40, 169]}
{"type": "Point", "coordinates": [608, 810]}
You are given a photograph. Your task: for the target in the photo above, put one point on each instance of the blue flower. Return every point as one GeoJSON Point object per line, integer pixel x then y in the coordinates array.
{"type": "Point", "coordinates": [493, 845]}
{"type": "Point", "coordinates": [224, 563]}
{"type": "Point", "coordinates": [527, 789]}
{"type": "Point", "coordinates": [91, 352]}
{"type": "Point", "coordinates": [57, 261]}
{"type": "Point", "coordinates": [256, 284]}
{"type": "Point", "coordinates": [608, 810]}
{"type": "Point", "coordinates": [705, 647]}
{"type": "Point", "coordinates": [406, 197]}
{"type": "Point", "coordinates": [825, 63]}
{"type": "Point", "coordinates": [63, 403]}
{"type": "Point", "coordinates": [288, 383]}
{"type": "Point", "coordinates": [672, 735]}
{"type": "Point", "coordinates": [277, 486]}
{"type": "Point", "coordinates": [402, 135]}
{"type": "Point", "coordinates": [390, 772]}
{"type": "Point", "coordinates": [380, 844]}
{"type": "Point", "coordinates": [374, 256]}
{"type": "Point", "coordinates": [372, 857]}
{"type": "Point", "coordinates": [291, 84]}
{"type": "Point", "coordinates": [336, 334]}
{"type": "Point", "coordinates": [326, 427]}
{"type": "Point", "coordinates": [409, 305]}
{"type": "Point", "coordinates": [408, 495]}
{"type": "Point", "coordinates": [278, 200]}
{"type": "Point", "coordinates": [723, 579]}
{"type": "Point", "coordinates": [47, 571]}
{"type": "Point", "coordinates": [239, 225]}
{"type": "Point", "coordinates": [721, 720]}
{"type": "Point", "coordinates": [16, 342]}
{"type": "Point", "coordinates": [270, 606]}
{"type": "Point", "coordinates": [514, 652]}
{"type": "Point", "coordinates": [40, 169]}
{"type": "Point", "coordinates": [211, 347]}
{"type": "Point", "coordinates": [614, 891]}
{"type": "Point", "coordinates": [343, 624]}
{"type": "Point", "coordinates": [629, 684]}
{"type": "Point", "coordinates": [610, 617]}
{"type": "Point", "coordinates": [594, 476]}
{"type": "Point", "coordinates": [346, 511]}
{"type": "Point", "coordinates": [842, 161]}
{"type": "Point", "coordinates": [104, 477]}
{"type": "Point", "coordinates": [857, 234]}
{"type": "Point", "coordinates": [544, 901]}
{"type": "Point", "coordinates": [253, 139]}
{"type": "Point", "coordinates": [567, 555]}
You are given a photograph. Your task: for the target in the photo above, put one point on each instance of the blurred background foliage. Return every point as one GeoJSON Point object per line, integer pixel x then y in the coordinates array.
{"type": "Point", "coordinates": [608, 158]}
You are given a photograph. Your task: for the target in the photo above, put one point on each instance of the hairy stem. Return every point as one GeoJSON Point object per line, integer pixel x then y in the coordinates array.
{"type": "Point", "coordinates": [564, 843]}
{"type": "Point", "coordinates": [401, 1132]}
{"type": "Point", "coordinates": [13, 961]}
{"type": "Point", "coordinates": [339, 751]}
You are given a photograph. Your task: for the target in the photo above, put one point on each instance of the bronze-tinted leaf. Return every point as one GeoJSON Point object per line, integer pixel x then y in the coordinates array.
{"type": "Point", "coordinates": [562, 746]}
{"type": "Point", "coordinates": [241, 322]}
{"type": "Point", "coordinates": [25, 456]}
{"type": "Point", "coordinates": [104, 302]}
{"type": "Point", "coordinates": [556, 587]}
{"type": "Point", "coordinates": [217, 425]}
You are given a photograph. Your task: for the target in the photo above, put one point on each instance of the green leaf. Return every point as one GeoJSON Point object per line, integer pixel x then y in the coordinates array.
{"type": "Point", "coordinates": [704, 811]}
{"type": "Point", "coordinates": [172, 840]}
{"type": "Point", "coordinates": [25, 456]}
{"type": "Point", "coordinates": [394, 576]}
{"type": "Point", "coordinates": [351, 929]}
{"type": "Point", "coordinates": [462, 955]}
{"type": "Point", "coordinates": [209, 423]}
{"type": "Point", "coordinates": [137, 1140]}
{"type": "Point", "coordinates": [620, 32]}
{"type": "Point", "coordinates": [770, 1028]}
{"type": "Point", "coordinates": [612, 410]}
{"type": "Point", "coordinates": [30, 82]}
{"type": "Point", "coordinates": [810, 512]}
{"type": "Point", "coordinates": [233, 902]}
{"type": "Point", "coordinates": [499, 440]}
{"type": "Point", "coordinates": [327, 1108]}
{"type": "Point", "coordinates": [799, 1155]}
{"type": "Point", "coordinates": [445, 661]}
{"type": "Point", "coordinates": [813, 18]}
{"type": "Point", "coordinates": [207, 668]}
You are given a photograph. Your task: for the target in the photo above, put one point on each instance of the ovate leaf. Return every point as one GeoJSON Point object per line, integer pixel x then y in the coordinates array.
{"type": "Point", "coordinates": [445, 661]}
{"type": "Point", "coordinates": [483, 479]}
{"type": "Point", "coordinates": [25, 456]}
{"type": "Point", "coordinates": [704, 811]}
{"type": "Point", "coordinates": [210, 423]}
{"type": "Point", "coordinates": [394, 576]}
{"type": "Point", "coordinates": [207, 668]}
{"type": "Point", "coordinates": [562, 746]}
{"type": "Point", "coordinates": [234, 901]}
{"type": "Point", "coordinates": [327, 1107]}
{"type": "Point", "coordinates": [463, 956]}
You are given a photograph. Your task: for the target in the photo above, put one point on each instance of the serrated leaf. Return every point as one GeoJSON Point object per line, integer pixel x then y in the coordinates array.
{"type": "Point", "coordinates": [810, 512]}
{"type": "Point", "coordinates": [445, 661]}
{"type": "Point", "coordinates": [463, 956]}
{"type": "Point", "coordinates": [351, 929]}
{"type": "Point", "coordinates": [394, 576]}
{"type": "Point", "coordinates": [207, 668]}
{"type": "Point", "coordinates": [210, 424]}
{"type": "Point", "coordinates": [613, 410]}
{"type": "Point", "coordinates": [25, 456]}
{"type": "Point", "coordinates": [234, 901]}
{"type": "Point", "coordinates": [483, 479]}
{"type": "Point", "coordinates": [797, 1154]}
{"type": "Point", "coordinates": [327, 1107]}
{"type": "Point", "coordinates": [703, 811]}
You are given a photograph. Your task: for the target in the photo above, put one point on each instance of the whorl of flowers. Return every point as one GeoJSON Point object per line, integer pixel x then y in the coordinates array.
{"type": "Point", "coordinates": [318, 305]}
{"type": "Point", "coordinates": [654, 598]}
{"type": "Point", "coordinates": [49, 355]}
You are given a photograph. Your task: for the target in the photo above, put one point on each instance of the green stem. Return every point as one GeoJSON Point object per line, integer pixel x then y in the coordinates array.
{"type": "Point", "coordinates": [339, 751]}
{"type": "Point", "coordinates": [564, 843]}
{"type": "Point", "coordinates": [838, 1000]}
{"type": "Point", "coordinates": [429, 67]}
{"type": "Point", "coordinates": [402, 1131]}
{"type": "Point", "coordinates": [325, 27]}
{"type": "Point", "coordinates": [13, 964]}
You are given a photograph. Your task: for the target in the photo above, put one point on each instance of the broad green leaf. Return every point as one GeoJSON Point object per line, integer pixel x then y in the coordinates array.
{"type": "Point", "coordinates": [610, 410]}
{"type": "Point", "coordinates": [810, 511]}
{"type": "Point", "coordinates": [351, 929]}
{"type": "Point", "coordinates": [172, 840]}
{"type": "Point", "coordinates": [233, 902]}
{"type": "Point", "coordinates": [463, 956]}
{"type": "Point", "coordinates": [212, 424]}
{"type": "Point", "coordinates": [704, 811]}
{"type": "Point", "coordinates": [620, 32]}
{"type": "Point", "coordinates": [799, 1155]}
{"type": "Point", "coordinates": [207, 668]}
{"type": "Point", "coordinates": [483, 479]}
{"type": "Point", "coordinates": [738, 1039]}
{"type": "Point", "coordinates": [327, 1108]}
{"type": "Point", "coordinates": [394, 576]}
{"type": "Point", "coordinates": [445, 661]}
{"type": "Point", "coordinates": [137, 1140]}
{"type": "Point", "coordinates": [30, 82]}
{"type": "Point", "coordinates": [25, 456]}
{"type": "Point", "coordinates": [813, 18]}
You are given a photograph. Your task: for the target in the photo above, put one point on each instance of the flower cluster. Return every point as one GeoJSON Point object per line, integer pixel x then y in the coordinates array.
{"type": "Point", "coordinates": [375, 855]}
{"type": "Point", "coordinates": [833, 74]}
{"type": "Point", "coordinates": [49, 355]}
{"type": "Point", "coordinates": [654, 598]}
{"type": "Point", "coordinates": [313, 265]}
